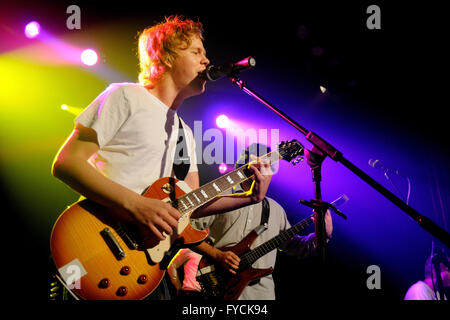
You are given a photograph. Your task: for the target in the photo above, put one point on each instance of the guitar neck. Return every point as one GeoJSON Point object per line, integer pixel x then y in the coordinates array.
{"type": "Point", "coordinates": [206, 193]}
{"type": "Point", "coordinates": [250, 257]}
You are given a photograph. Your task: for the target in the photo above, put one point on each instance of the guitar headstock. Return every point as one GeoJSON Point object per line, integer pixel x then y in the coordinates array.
{"type": "Point", "coordinates": [291, 151]}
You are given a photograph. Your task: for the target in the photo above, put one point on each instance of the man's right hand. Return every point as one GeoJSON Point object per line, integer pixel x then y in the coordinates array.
{"type": "Point", "coordinates": [228, 259]}
{"type": "Point", "coordinates": [157, 215]}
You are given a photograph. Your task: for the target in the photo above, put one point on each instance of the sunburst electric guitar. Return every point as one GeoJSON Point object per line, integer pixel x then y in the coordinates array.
{"type": "Point", "coordinates": [100, 255]}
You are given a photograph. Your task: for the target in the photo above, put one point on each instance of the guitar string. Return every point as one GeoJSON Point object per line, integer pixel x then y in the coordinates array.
{"type": "Point", "coordinates": [214, 193]}
{"type": "Point", "coordinates": [250, 257]}
{"type": "Point", "coordinates": [211, 192]}
{"type": "Point", "coordinates": [256, 253]}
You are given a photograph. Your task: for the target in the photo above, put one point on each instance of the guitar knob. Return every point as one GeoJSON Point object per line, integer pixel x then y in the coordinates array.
{"type": "Point", "coordinates": [142, 279]}
{"type": "Point", "coordinates": [104, 283]}
{"type": "Point", "coordinates": [125, 270]}
{"type": "Point", "coordinates": [122, 291]}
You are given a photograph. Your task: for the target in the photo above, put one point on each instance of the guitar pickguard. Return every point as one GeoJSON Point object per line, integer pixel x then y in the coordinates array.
{"type": "Point", "coordinates": [157, 253]}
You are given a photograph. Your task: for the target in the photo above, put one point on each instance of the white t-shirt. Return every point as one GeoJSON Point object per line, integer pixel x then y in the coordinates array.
{"type": "Point", "coordinates": [137, 135]}
{"type": "Point", "coordinates": [421, 291]}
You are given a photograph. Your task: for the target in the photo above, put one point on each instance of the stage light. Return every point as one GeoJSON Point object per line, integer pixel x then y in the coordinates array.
{"type": "Point", "coordinates": [222, 121]}
{"type": "Point", "coordinates": [71, 109]}
{"type": "Point", "coordinates": [32, 29]}
{"type": "Point", "coordinates": [223, 168]}
{"type": "Point", "coordinates": [89, 57]}
{"type": "Point", "coordinates": [323, 89]}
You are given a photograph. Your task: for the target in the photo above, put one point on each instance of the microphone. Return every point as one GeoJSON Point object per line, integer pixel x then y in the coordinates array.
{"type": "Point", "coordinates": [378, 165]}
{"type": "Point", "coordinates": [212, 72]}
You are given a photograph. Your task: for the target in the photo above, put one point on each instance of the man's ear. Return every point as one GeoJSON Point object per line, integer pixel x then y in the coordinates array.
{"type": "Point", "coordinates": [167, 64]}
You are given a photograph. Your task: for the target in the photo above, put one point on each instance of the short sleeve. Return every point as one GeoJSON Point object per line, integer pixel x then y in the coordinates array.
{"type": "Point", "coordinates": [279, 211]}
{"type": "Point", "coordinates": [418, 291]}
{"type": "Point", "coordinates": [106, 114]}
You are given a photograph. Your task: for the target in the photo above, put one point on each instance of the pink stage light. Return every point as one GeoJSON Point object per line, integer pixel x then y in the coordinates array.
{"type": "Point", "coordinates": [222, 121]}
{"type": "Point", "coordinates": [223, 168]}
{"type": "Point", "coordinates": [89, 57]}
{"type": "Point", "coordinates": [32, 30]}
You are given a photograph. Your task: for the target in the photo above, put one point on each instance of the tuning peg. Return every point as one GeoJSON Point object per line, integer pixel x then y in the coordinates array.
{"type": "Point", "coordinates": [297, 160]}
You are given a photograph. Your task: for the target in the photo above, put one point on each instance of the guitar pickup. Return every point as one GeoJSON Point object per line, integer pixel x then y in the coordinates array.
{"type": "Point", "coordinates": [129, 234]}
{"type": "Point", "coordinates": [113, 244]}
{"type": "Point", "coordinates": [259, 229]}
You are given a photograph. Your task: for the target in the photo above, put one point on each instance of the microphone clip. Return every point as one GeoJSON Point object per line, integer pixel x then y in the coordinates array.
{"type": "Point", "coordinates": [318, 204]}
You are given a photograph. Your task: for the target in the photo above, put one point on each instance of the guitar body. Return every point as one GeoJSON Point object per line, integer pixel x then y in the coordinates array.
{"type": "Point", "coordinates": [101, 259]}
{"type": "Point", "coordinates": [103, 254]}
{"type": "Point", "coordinates": [219, 283]}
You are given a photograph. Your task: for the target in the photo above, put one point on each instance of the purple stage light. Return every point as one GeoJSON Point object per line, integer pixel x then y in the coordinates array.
{"type": "Point", "coordinates": [32, 30]}
{"type": "Point", "coordinates": [222, 121]}
{"type": "Point", "coordinates": [223, 168]}
{"type": "Point", "coordinates": [89, 57]}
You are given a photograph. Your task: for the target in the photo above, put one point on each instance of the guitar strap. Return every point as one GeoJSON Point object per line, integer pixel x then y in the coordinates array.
{"type": "Point", "coordinates": [262, 227]}
{"type": "Point", "coordinates": [265, 212]}
{"type": "Point", "coordinates": [264, 217]}
{"type": "Point", "coordinates": [181, 161]}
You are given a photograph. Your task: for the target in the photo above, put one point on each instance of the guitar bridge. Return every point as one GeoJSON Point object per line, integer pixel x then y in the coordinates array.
{"type": "Point", "coordinates": [128, 234]}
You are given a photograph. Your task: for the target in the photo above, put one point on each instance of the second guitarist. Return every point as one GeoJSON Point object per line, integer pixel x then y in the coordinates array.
{"type": "Point", "coordinates": [229, 229]}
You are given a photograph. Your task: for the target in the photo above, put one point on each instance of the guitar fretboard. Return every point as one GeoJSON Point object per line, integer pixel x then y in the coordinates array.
{"type": "Point", "coordinates": [196, 198]}
{"type": "Point", "coordinates": [250, 257]}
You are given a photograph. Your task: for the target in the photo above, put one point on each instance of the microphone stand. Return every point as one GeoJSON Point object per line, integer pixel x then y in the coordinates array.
{"type": "Point", "coordinates": [326, 149]}
{"type": "Point", "coordinates": [314, 159]}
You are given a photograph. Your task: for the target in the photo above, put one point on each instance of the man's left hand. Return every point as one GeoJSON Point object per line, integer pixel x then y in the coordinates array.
{"type": "Point", "coordinates": [263, 175]}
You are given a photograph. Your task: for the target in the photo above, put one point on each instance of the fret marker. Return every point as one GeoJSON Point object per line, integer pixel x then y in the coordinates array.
{"type": "Point", "coordinates": [183, 204]}
{"type": "Point", "coordinates": [216, 187]}
{"type": "Point", "coordinates": [230, 180]}
{"type": "Point", "coordinates": [204, 194]}
{"type": "Point", "coordinates": [196, 198]}
{"type": "Point", "coordinates": [190, 201]}
{"type": "Point", "coordinates": [239, 173]}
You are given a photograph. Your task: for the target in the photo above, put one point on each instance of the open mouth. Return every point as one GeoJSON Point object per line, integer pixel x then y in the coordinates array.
{"type": "Point", "coordinates": [202, 75]}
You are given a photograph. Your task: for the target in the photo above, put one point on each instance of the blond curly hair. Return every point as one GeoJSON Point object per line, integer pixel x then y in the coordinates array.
{"type": "Point", "coordinates": [160, 44]}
